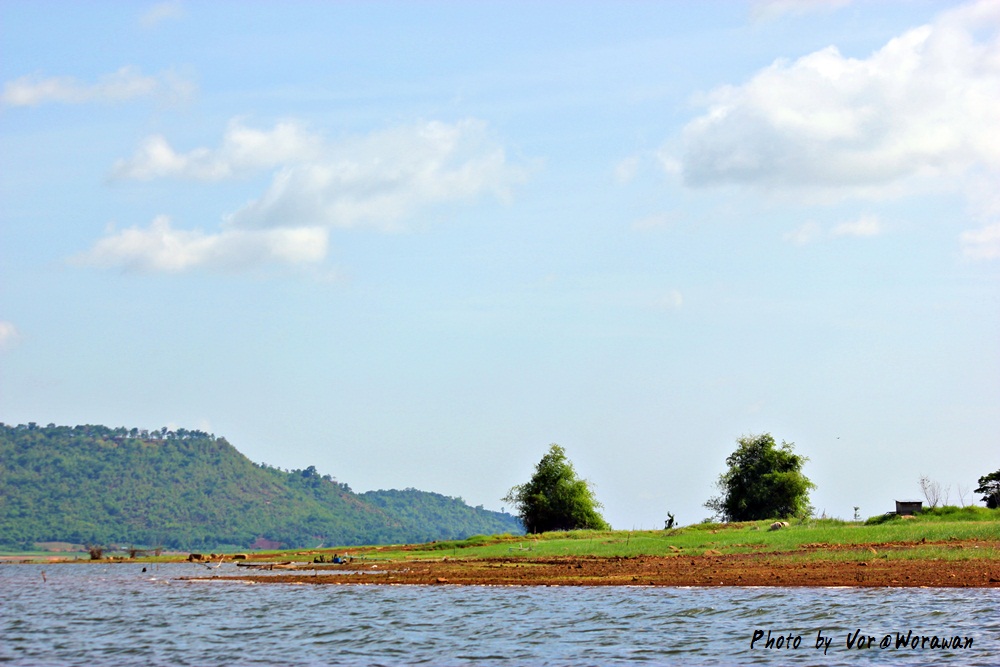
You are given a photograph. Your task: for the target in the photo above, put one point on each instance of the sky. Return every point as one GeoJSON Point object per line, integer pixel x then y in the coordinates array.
{"type": "Point", "coordinates": [412, 244]}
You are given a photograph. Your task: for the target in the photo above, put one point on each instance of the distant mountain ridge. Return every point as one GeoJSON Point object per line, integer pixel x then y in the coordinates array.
{"type": "Point", "coordinates": [186, 489]}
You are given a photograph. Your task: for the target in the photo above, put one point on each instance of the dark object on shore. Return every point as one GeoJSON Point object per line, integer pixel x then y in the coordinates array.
{"type": "Point", "coordinates": [286, 565]}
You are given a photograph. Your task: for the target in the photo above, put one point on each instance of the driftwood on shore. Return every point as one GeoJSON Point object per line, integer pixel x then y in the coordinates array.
{"type": "Point", "coordinates": [286, 565]}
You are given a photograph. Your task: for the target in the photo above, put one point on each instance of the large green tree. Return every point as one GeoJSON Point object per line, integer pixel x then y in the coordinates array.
{"type": "Point", "coordinates": [764, 480]}
{"type": "Point", "coordinates": [989, 486]}
{"type": "Point", "coordinates": [555, 499]}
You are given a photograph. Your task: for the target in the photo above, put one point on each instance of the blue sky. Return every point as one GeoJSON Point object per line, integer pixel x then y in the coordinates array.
{"type": "Point", "coordinates": [412, 244]}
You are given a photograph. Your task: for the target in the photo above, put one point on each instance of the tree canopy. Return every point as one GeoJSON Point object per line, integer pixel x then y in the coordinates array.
{"type": "Point", "coordinates": [554, 499]}
{"type": "Point", "coordinates": [989, 486]}
{"type": "Point", "coordinates": [764, 480]}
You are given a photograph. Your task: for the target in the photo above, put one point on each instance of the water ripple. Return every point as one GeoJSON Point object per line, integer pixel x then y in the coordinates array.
{"type": "Point", "coordinates": [102, 614]}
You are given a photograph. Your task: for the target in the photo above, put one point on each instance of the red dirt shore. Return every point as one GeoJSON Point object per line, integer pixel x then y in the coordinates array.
{"type": "Point", "coordinates": [780, 569]}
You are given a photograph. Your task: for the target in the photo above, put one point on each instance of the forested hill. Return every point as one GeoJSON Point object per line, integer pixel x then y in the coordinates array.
{"type": "Point", "coordinates": [183, 489]}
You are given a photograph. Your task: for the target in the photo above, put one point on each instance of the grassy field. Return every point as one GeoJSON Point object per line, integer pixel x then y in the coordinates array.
{"type": "Point", "coordinates": [944, 533]}
{"type": "Point", "coordinates": [926, 536]}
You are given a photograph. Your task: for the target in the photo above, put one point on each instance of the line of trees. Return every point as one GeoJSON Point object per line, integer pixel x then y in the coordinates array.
{"type": "Point", "coordinates": [762, 480]}
{"type": "Point", "coordinates": [114, 433]}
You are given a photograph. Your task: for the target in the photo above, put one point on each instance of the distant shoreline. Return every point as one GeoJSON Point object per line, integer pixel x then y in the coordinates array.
{"type": "Point", "coordinates": [710, 570]}
{"type": "Point", "coordinates": [949, 547]}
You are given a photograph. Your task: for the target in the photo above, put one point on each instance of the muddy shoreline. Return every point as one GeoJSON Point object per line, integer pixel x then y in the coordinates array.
{"type": "Point", "coordinates": [782, 570]}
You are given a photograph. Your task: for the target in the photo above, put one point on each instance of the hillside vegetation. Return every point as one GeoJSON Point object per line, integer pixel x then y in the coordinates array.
{"type": "Point", "coordinates": [192, 490]}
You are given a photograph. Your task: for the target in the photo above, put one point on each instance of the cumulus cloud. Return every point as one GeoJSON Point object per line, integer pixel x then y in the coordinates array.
{"type": "Point", "coordinates": [125, 84]}
{"type": "Point", "coordinates": [925, 104]}
{"type": "Point", "coordinates": [243, 150]}
{"type": "Point", "coordinates": [161, 247]}
{"type": "Point", "coordinates": [8, 335]}
{"type": "Point", "coordinates": [378, 180]}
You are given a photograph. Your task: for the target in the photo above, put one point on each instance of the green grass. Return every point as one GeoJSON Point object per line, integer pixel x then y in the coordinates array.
{"type": "Point", "coordinates": [808, 537]}
{"type": "Point", "coordinates": [42, 555]}
{"type": "Point", "coordinates": [811, 539]}
{"type": "Point", "coordinates": [830, 539]}
{"type": "Point", "coordinates": [946, 513]}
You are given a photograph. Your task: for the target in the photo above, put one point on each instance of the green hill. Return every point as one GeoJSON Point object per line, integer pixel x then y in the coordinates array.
{"type": "Point", "coordinates": [191, 490]}
{"type": "Point", "coordinates": [451, 517]}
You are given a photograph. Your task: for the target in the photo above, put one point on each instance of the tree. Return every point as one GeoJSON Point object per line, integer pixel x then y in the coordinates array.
{"type": "Point", "coordinates": [554, 499]}
{"type": "Point", "coordinates": [931, 491]}
{"type": "Point", "coordinates": [764, 481]}
{"type": "Point", "coordinates": [989, 486]}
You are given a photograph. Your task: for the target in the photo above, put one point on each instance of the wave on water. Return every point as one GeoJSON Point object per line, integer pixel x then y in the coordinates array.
{"type": "Point", "coordinates": [87, 614]}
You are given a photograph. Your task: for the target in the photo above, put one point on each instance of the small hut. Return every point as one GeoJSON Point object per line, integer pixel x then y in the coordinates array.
{"type": "Point", "coordinates": [908, 507]}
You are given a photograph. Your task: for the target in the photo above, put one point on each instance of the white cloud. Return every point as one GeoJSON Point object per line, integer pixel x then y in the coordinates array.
{"type": "Point", "coordinates": [378, 180]}
{"type": "Point", "coordinates": [160, 247]}
{"type": "Point", "coordinates": [925, 105]}
{"type": "Point", "coordinates": [669, 162]}
{"type": "Point", "coordinates": [866, 225]}
{"type": "Point", "coordinates": [125, 84]}
{"type": "Point", "coordinates": [810, 232]}
{"type": "Point", "coordinates": [161, 12]}
{"type": "Point", "coordinates": [982, 243]}
{"type": "Point", "coordinates": [626, 169]}
{"type": "Point", "coordinates": [243, 150]}
{"type": "Point", "coordinates": [9, 335]}
{"type": "Point", "coordinates": [806, 233]}
{"type": "Point", "coordinates": [672, 300]}
{"type": "Point", "coordinates": [773, 9]}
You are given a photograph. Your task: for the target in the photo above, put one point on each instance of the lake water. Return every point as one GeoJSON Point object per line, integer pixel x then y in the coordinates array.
{"type": "Point", "coordinates": [102, 614]}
